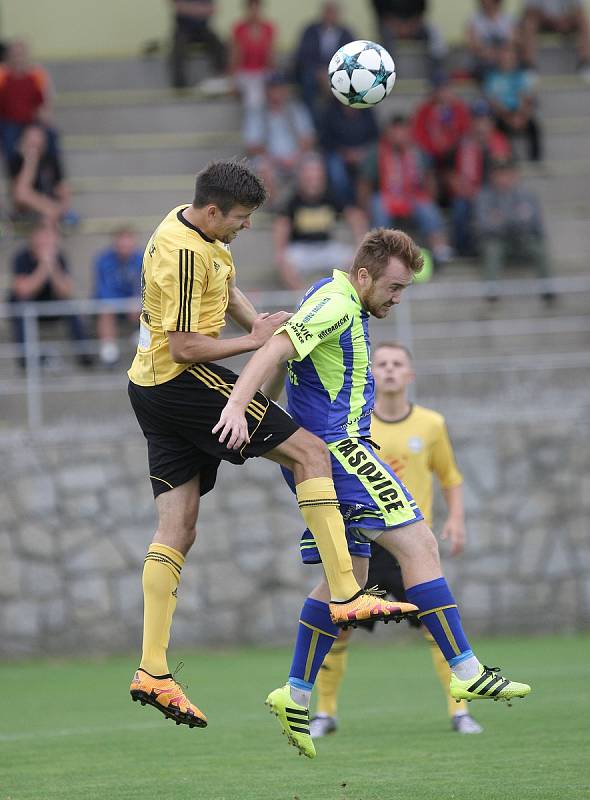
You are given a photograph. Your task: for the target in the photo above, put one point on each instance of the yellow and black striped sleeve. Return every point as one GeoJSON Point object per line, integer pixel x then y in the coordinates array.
{"type": "Point", "coordinates": [182, 278]}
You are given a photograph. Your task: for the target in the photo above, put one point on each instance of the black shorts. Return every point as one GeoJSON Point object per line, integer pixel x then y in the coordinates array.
{"type": "Point", "coordinates": [176, 418]}
{"type": "Point", "coordinates": [385, 572]}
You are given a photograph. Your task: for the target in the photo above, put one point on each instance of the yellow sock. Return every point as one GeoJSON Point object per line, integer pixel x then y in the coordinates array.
{"type": "Point", "coordinates": [161, 576]}
{"type": "Point", "coordinates": [319, 508]}
{"type": "Point", "coordinates": [330, 677]}
{"type": "Point", "coordinates": [442, 669]}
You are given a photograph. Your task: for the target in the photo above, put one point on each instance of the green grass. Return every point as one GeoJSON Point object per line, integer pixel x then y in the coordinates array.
{"type": "Point", "coordinates": [69, 730]}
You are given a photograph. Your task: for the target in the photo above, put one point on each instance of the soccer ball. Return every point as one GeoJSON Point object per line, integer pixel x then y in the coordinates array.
{"type": "Point", "coordinates": [361, 74]}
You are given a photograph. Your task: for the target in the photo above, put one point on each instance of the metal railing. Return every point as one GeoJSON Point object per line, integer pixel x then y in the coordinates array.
{"type": "Point", "coordinates": [33, 384]}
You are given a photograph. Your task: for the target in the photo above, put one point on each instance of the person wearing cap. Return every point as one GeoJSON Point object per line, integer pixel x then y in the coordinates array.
{"type": "Point", "coordinates": [481, 145]}
{"type": "Point", "coordinates": [509, 227]}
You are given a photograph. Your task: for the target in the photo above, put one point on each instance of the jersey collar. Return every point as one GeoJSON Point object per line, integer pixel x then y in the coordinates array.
{"type": "Point", "coordinates": [180, 217]}
{"type": "Point", "coordinates": [342, 280]}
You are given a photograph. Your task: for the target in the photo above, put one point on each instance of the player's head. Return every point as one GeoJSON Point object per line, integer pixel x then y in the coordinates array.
{"type": "Point", "coordinates": [392, 367]}
{"type": "Point", "coordinates": [227, 192]}
{"type": "Point", "coordinates": [385, 263]}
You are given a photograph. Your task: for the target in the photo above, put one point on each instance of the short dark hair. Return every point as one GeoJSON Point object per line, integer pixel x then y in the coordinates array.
{"type": "Point", "coordinates": [395, 345]}
{"type": "Point", "coordinates": [381, 244]}
{"type": "Point", "coordinates": [228, 183]}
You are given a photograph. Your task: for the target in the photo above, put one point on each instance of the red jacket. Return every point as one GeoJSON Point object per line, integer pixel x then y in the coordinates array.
{"type": "Point", "coordinates": [21, 96]}
{"type": "Point", "coordinates": [438, 129]}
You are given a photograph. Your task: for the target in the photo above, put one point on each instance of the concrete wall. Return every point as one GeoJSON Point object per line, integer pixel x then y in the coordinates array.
{"type": "Point", "coordinates": [86, 29]}
{"type": "Point", "coordinates": [76, 515]}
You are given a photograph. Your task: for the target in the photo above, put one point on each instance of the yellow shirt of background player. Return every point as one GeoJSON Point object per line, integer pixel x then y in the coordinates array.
{"type": "Point", "coordinates": [416, 447]}
{"type": "Point", "coordinates": [185, 287]}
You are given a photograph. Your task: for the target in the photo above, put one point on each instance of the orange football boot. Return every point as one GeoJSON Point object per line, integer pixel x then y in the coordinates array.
{"type": "Point", "coordinates": [369, 604]}
{"type": "Point", "coordinates": [165, 694]}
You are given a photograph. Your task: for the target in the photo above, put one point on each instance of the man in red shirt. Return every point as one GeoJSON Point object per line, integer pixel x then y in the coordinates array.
{"type": "Point", "coordinates": [438, 126]}
{"type": "Point", "coordinates": [24, 97]}
{"type": "Point", "coordinates": [252, 56]}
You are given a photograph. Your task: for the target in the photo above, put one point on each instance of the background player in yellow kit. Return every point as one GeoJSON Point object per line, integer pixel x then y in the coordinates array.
{"type": "Point", "coordinates": [413, 440]}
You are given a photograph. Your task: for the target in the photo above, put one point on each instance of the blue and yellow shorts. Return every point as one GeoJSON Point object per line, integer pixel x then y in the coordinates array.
{"type": "Point", "coordinates": [372, 498]}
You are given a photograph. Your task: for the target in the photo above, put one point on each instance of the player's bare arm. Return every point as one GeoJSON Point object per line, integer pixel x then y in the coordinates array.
{"type": "Point", "coordinates": [195, 348]}
{"type": "Point", "coordinates": [232, 423]}
{"type": "Point", "coordinates": [240, 309]}
{"type": "Point", "coordinates": [454, 527]}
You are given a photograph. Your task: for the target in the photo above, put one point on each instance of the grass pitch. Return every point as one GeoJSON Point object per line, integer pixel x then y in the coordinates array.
{"type": "Point", "coordinates": [69, 730]}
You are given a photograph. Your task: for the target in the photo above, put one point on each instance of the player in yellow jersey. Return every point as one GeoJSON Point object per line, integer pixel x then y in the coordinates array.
{"type": "Point", "coordinates": [414, 441]}
{"type": "Point", "coordinates": [177, 394]}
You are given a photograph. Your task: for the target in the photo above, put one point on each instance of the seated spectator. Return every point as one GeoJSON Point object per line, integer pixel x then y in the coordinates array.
{"type": "Point", "coordinates": [252, 56]}
{"type": "Point", "coordinates": [117, 276]}
{"type": "Point", "coordinates": [40, 274]}
{"type": "Point", "coordinates": [318, 43]}
{"type": "Point", "coordinates": [510, 91]}
{"type": "Point", "coordinates": [191, 26]}
{"type": "Point", "coordinates": [38, 184]}
{"type": "Point", "coordinates": [437, 127]}
{"type": "Point", "coordinates": [278, 135]}
{"type": "Point", "coordinates": [24, 98]}
{"type": "Point", "coordinates": [556, 16]}
{"type": "Point", "coordinates": [407, 20]}
{"type": "Point", "coordinates": [397, 187]}
{"type": "Point", "coordinates": [477, 150]}
{"type": "Point", "coordinates": [304, 229]}
{"type": "Point", "coordinates": [488, 30]}
{"type": "Point", "coordinates": [509, 226]}
{"type": "Point", "coordinates": [346, 135]}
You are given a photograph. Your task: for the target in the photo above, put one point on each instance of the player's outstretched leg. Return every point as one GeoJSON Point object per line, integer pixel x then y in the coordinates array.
{"type": "Point", "coordinates": [487, 684]}
{"type": "Point", "coordinates": [294, 719]}
{"type": "Point", "coordinates": [165, 694]}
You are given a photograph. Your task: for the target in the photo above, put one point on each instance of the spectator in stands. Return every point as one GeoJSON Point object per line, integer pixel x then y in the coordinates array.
{"type": "Point", "coordinates": [117, 276]}
{"type": "Point", "coordinates": [40, 274]}
{"type": "Point", "coordinates": [488, 30]}
{"type": "Point", "coordinates": [252, 55]}
{"type": "Point", "coordinates": [407, 20]}
{"type": "Point", "coordinates": [346, 135]}
{"type": "Point", "coordinates": [191, 26]}
{"type": "Point", "coordinates": [556, 16]}
{"type": "Point", "coordinates": [481, 146]}
{"type": "Point", "coordinates": [318, 43]}
{"type": "Point", "coordinates": [24, 98]}
{"type": "Point", "coordinates": [38, 184]}
{"type": "Point", "coordinates": [437, 127]}
{"type": "Point", "coordinates": [304, 228]}
{"type": "Point", "coordinates": [278, 135]}
{"type": "Point", "coordinates": [397, 188]}
{"type": "Point", "coordinates": [510, 91]}
{"type": "Point", "coordinates": [509, 226]}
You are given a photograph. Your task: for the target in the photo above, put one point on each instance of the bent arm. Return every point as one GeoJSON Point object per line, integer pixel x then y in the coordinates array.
{"type": "Point", "coordinates": [240, 309]}
{"type": "Point", "coordinates": [190, 347]}
{"type": "Point", "coordinates": [260, 367]}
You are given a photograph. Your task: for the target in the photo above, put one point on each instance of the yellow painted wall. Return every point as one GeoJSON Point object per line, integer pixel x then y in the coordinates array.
{"type": "Point", "coordinates": [103, 28]}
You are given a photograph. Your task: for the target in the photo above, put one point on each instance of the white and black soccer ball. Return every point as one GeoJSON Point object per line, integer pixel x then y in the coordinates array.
{"type": "Point", "coordinates": [361, 74]}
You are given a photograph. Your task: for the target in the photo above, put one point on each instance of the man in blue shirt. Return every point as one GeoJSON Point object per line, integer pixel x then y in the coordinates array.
{"type": "Point", "coordinates": [117, 276]}
{"type": "Point", "coordinates": [331, 392]}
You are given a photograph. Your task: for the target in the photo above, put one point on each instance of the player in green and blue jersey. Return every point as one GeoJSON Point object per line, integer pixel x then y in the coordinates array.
{"type": "Point", "coordinates": [330, 392]}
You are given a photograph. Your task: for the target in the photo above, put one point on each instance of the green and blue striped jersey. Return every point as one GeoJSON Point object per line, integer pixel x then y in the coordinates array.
{"type": "Point", "coordinates": [330, 388]}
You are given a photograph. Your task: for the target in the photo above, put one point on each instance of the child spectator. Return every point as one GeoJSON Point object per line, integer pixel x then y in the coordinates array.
{"type": "Point", "coordinates": [318, 43]}
{"type": "Point", "coordinates": [117, 276]}
{"type": "Point", "coordinates": [40, 274]}
{"type": "Point", "coordinates": [38, 184]}
{"type": "Point", "coordinates": [252, 55]}
{"type": "Point", "coordinates": [510, 91]}
{"type": "Point", "coordinates": [397, 187]}
{"type": "Point", "coordinates": [437, 127]}
{"type": "Point", "coordinates": [488, 29]}
{"type": "Point", "coordinates": [556, 16]}
{"type": "Point", "coordinates": [278, 135]}
{"type": "Point", "coordinates": [24, 98]}
{"type": "Point", "coordinates": [191, 25]}
{"type": "Point", "coordinates": [509, 226]}
{"type": "Point", "coordinates": [346, 135]}
{"type": "Point", "coordinates": [304, 229]}
{"type": "Point", "coordinates": [478, 149]}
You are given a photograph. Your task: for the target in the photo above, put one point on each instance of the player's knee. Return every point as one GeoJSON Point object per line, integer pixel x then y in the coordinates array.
{"type": "Point", "coordinates": [311, 453]}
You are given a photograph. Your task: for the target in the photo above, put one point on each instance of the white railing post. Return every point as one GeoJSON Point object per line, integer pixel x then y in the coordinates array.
{"type": "Point", "coordinates": [33, 366]}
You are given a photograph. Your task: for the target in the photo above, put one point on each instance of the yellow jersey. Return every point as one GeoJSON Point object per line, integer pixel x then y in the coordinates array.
{"type": "Point", "coordinates": [415, 447]}
{"type": "Point", "coordinates": [185, 283]}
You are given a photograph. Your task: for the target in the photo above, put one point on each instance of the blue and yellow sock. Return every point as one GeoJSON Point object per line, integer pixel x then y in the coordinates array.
{"type": "Point", "coordinates": [315, 636]}
{"type": "Point", "coordinates": [439, 613]}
